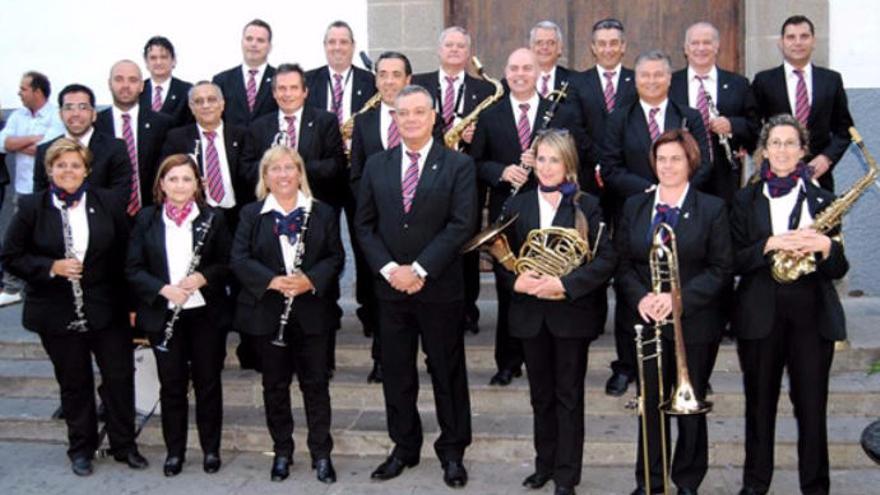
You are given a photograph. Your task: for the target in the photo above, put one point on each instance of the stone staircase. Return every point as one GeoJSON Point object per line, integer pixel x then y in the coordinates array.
{"type": "Point", "coordinates": [502, 422]}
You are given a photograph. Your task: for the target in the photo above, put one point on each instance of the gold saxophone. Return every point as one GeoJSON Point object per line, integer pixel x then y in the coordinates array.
{"type": "Point", "coordinates": [347, 127]}
{"type": "Point", "coordinates": [788, 266]}
{"type": "Point", "coordinates": [453, 135]}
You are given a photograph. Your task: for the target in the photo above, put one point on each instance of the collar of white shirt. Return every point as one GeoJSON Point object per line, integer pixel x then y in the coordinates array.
{"type": "Point", "coordinates": [789, 70]}
{"type": "Point", "coordinates": [678, 204]}
{"type": "Point", "coordinates": [85, 139]}
{"type": "Point", "coordinates": [710, 77]}
{"type": "Point", "coordinates": [282, 119]}
{"type": "Point", "coordinates": [245, 71]}
{"type": "Point", "coordinates": [57, 203]}
{"type": "Point", "coordinates": [271, 204]}
{"type": "Point", "coordinates": [532, 102]}
{"type": "Point", "coordinates": [133, 111]}
{"type": "Point", "coordinates": [647, 109]}
{"type": "Point", "coordinates": [218, 131]}
{"type": "Point", "coordinates": [423, 154]}
{"type": "Point", "coordinates": [344, 75]}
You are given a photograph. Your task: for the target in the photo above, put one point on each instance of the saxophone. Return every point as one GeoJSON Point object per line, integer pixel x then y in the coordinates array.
{"type": "Point", "coordinates": [787, 266]}
{"type": "Point", "coordinates": [453, 135]}
{"type": "Point", "coordinates": [79, 324]}
{"type": "Point", "coordinates": [347, 128]}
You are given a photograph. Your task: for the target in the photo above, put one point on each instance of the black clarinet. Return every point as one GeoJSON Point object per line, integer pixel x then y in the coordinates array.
{"type": "Point", "coordinates": [79, 324]}
{"type": "Point", "coordinates": [297, 262]}
{"type": "Point", "coordinates": [555, 97]}
{"type": "Point", "coordinates": [204, 227]}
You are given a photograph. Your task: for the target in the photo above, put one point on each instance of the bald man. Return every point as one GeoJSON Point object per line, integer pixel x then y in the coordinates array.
{"type": "Point", "coordinates": [142, 130]}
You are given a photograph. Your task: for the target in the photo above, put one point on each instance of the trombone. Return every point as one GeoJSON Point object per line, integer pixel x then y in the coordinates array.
{"type": "Point", "coordinates": [663, 262]}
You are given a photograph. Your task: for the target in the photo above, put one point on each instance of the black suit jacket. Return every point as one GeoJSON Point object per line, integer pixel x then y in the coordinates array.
{"type": "Point", "coordinates": [577, 315]}
{"type": "Point", "coordinates": [829, 120]}
{"type": "Point", "coordinates": [146, 267]}
{"type": "Point", "coordinates": [626, 148]}
{"type": "Point", "coordinates": [756, 301]}
{"type": "Point", "coordinates": [736, 102]}
{"type": "Point", "coordinates": [496, 145]}
{"type": "Point", "coordinates": [232, 84]}
{"type": "Point", "coordinates": [705, 260]}
{"type": "Point", "coordinates": [588, 98]}
{"type": "Point", "coordinates": [244, 178]}
{"type": "Point", "coordinates": [363, 86]}
{"type": "Point", "coordinates": [151, 130]}
{"type": "Point", "coordinates": [256, 258]}
{"type": "Point", "coordinates": [111, 168]}
{"type": "Point", "coordinates": [34, 240]}
{"type": "Point", "coordinates": [473, 92]}
{"type": "Point", "coordinates": [442, 219]}
{"type": "Point", "coordinates": [319, 143]}
{"type": "Point", "coordinates": [176, 104]}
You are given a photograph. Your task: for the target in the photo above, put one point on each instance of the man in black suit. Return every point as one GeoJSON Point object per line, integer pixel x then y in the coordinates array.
{"type": "Point", "coordinates": [626, 170]}
{"type": "Point", "coordinates": [142, 130]}
{"type": "Point", "coordinates": [501, 142]}
{"type": "Point", "coordinates": [375, 131]}
{"type": "Point", "coordinates": [417, 207]}
{"type": "Point", "coordinates": [725, 102]}
{"type": "Point", "coordinates": [545, 39]}
{"type": "Point", "coordinates": [163, 92]}
{"type": "Point", "coordinates": [339, 87]}
{"type": "Point", "coordinates": [814, 95]}
{"type": "Point", "coordinates": [246, 87]}
{"type": "Point", "coordinates": [110, 166]}
{"type": "Point", "coordinates": [456, 94]}
{"type": "Point", "coordinates": [216, 145]}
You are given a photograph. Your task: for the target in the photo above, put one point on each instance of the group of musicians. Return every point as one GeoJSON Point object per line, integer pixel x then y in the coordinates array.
{"type": "Point", "coordinates": [231, 220]}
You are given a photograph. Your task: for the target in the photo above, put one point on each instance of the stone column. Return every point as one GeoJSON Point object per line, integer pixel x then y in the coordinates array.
{"type": "Point", "coordinates": [407, 26]}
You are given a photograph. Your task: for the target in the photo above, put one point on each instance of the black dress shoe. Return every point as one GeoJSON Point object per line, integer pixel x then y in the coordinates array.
{"type": "Point", "coordinates": [686, 491]}
{"type": "Point", "coordinates": [376, 375]}
{"type": "Point", "coordinates": [563, 490]}
{"type": "Point", "coordinates": [617, 384]}
{"type": "Point", "coordinates": [536, 481]}
{"type": "Point", "coordinates": [391, 468]}
{"type": "Point", "coordinates": [505, 376]}
{"type": "Point", "coordinates": [134, 459]}
{"type": "Point", "coordinates": [211, 463]}
{"type": "Point", "coordinates": [81, 466]}
{"type": "Point", "coordinates": [454, 474]}
{"type": "Point", "coordinates": [748, 490]}
{"type": "Point", "coordinates": [173, 465]}
{"type": "Point", "coordinates": [638, 491]}
{"type": "Point", "coordinates": [324, 470]}
{"type": "Point", "coordinates": [281, 467]}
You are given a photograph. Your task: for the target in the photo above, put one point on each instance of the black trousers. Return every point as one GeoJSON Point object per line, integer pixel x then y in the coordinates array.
{"type": "Point", "coordinates": [556, 369]}
{"type": "Point", "coordinates": [196, 350]}
{"type": "Point", "coordinates": [691, 459]}
{"type": "Point", "coordinates": [71, 356]}
{"type": "Point", "coordinates": [796, 345]}
{"type": "Point", "coordinates": [442, 338]}
{"type": "Point", "coordinates": [508, 349]}
{"type": "Point", "coordinates": [624, 339]}
{"type": "Point", "coordinates": [306, 355]}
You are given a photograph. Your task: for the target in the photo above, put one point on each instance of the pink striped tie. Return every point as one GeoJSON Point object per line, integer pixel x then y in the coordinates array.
{"type": "Point", "coordinates": [393, 132]}
{"type": "Point", "coordinates": [157, 98]}
{"type": "Point", "coordinates": [653, 128]}
{"type": "Point", "coordinates": [802, 101]}
{"type": "Point", "coordinates": [523, 129]}
{"type": "Point", "coordinates": [449, 102]}
{"type": "Point", "coordinates": [703, 107]}
{"type": "Point", "coordinates": [410, 180]}
{"type": "Point", "coordinates": [212, 169]}
{"type": "Point", "coordinates": [291, 131]}
{"type": "Point", "coordinates": [252, 89]}
{"type": "Point", "coordinates": [544, 87]}
{"type": "Point", "coordinates": [609, 90]}
{"type": "Point", "coordinates": [337, 97]}
{"type": "Point", "coordinates": [134, 197]}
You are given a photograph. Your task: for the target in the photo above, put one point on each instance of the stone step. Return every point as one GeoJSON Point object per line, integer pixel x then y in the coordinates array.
{"type": "Point", "coordinates": [610, 441]}
{"type": "Point", "coordinates": [851, 393]}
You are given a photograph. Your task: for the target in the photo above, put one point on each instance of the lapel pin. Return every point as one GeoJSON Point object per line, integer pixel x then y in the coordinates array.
{"type": "Point", "coordinates": [819, 200]}
{"type": "Point", "coordinates": [147, 125]}
{"type": "Point", "coordinates": [724, 87]}
{"type": "Point", "coordinates": [434, 167]}
{"type": "Point", "coordinates": [359, 92]}
{"type": "Point", "coordinates": [173, 97]}
{"type": "Point", "coordinates": [269, 79]}
{"type": "Point", "coordinates": [235, 144]}
{"type": "Point", "coordinates": [91, 210]}
{"type": "Point", "coordinates": [687, 215]}
{"type": "Point", "coordinates": [310, 124]}
{"type": "Point", "coordinates": [628, 79]}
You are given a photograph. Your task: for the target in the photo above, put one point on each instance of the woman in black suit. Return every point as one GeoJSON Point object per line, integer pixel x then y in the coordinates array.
{"type": "Point", "coordinates": [789, 326]}
{"type": "Point", "coordinates": [159, 257]}
{"type": "Point", "coordinates": [265, 258]}
{"type": "Point", "coordinates": [35, 250]}
{"type": "Point", "coordinates": [705, 256]}
{"type": "Point", "coordinates": [556, 317]}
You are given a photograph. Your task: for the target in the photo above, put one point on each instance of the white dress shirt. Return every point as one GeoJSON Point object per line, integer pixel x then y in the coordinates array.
{"type": "Point", "coordinates": [258, 77]}
{"type": "Point", "coordinates": [298, 123]}
{"type": "Point", "coordinates": [791, 81]}
{"type": "Point", "coordinates": [165, 85]}
{"type": "Point", "coordinates": [615, 79]}
{"type": "Point", "coordinates": [79, 225]}
{"type": "Point", "coordinates": [456, 89]}
{"type": "Point", "coordinates": [546, 210]}
{"type": "Point", "coordinates": [678, 204]}
{"type": "Point", "coordinates": [710, 84]}
{"type": "Point", "coordinates": [288, 250]}
{"type": "Point", "coordinates": [179, 253]}
{"type": "Point", "coordinates": [533, 109]}
{"type": "Point", "coordinates": [347, 77]}
{"type": "Point", "coordinates": [782, 207]}
{"type": "Point", "coordinates": [551, 80]}
{"type": "Point", "coordinates": [385, 120]}
{"type": "Point", "coordinates": [22, 122]}
{"type": "Point", "coordinates": [228, 200]}
{"type": "Point", "coordinates": [660, 118]}
{"type": "Point", "coordinates": [117, 122]}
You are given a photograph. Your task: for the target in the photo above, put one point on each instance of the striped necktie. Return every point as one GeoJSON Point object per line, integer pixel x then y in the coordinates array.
{"type": "Point", "coordinates": [157, 98]}
{"type": "Point", "coordinates": [134, 197]}
{"type": "Point", "coordinates": [291, 131]}
{"type": "Point", "coordinates": [393, 132]}
{"type": "Point", "coordinates": [802, 100]}
{"type": "Point", "coordinates": [544, 86]}
{"type": "Point", "coordinates": [212, 169]}
{"type": "Point", "coordinates": [410, 180]}
{"type": "Point", "coordinates": [609, 90]}
{"type": "Point", "coordinates": [252, 89]}
{"type": "Point", "coordinates": [703, 107]}
{"type": "Point", "coordinates": [523, 128]}
{"type": "Point", "coordinates": [449, 102]}
{"type": "Point", "coordinates": [653, 128]}
{"type": "Point", "coordinates": [337, 97]}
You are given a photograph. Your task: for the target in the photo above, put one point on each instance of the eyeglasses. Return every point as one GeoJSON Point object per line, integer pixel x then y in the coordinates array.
{"type": "Point", "coordinates": [210, 101]}
{"type": "Point", "coordinates": [69, 107]}
{"type": "Point", "coordinates": [777, 144]}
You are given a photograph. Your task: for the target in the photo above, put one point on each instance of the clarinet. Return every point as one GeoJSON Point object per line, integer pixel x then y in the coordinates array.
{"type": "Point", "coordinates": [555, 97]}
{"type": "Point", "coordinates": [204, 227]}
{"type": "Point", "coordinates": [297, 262]}
{"type": "Point", "coordinates": [79, 323]}
{"type": "Point", "coordinates": [723, 139]}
